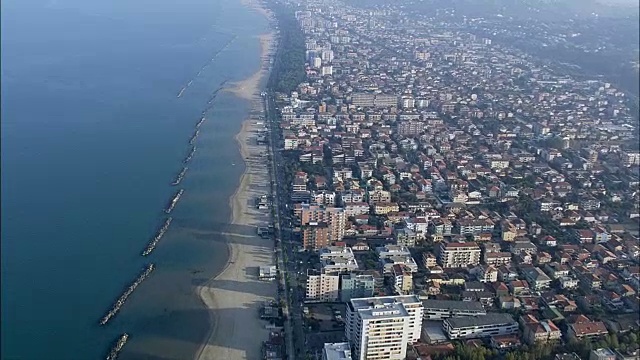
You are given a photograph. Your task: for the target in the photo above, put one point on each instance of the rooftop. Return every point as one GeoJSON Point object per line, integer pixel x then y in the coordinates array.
{"type": "Point", "coordinates": [337, 351]}
{"type": "Point", "coordinates": [364, 303]}
{"type": "Point", "coordinates": [483, 320]}
{"type": "Point", "coordinates": [383, 311]}
{"type": "Point", "coordinates": [453, 305]}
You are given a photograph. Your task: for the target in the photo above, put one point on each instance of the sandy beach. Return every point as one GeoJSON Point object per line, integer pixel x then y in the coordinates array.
{"type": "Point", "coordinates": [249, 88]}
{"type": "Point", "coordinates": [235, 295]}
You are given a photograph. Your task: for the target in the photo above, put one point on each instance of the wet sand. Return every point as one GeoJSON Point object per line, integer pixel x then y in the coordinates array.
{"type": "Point", "coordinates": [234, 296]}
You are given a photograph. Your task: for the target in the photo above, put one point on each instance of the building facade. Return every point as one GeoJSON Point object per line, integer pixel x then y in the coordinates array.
{"type": "Point", "coordinates": [315, 236]}
{"type": "Point", "coordinates": [457, 255]}
{"type": "Point", "coordinates": [381, 327]}
{"type": "Point", "coordinates": [322, 286]}
{"type": "Point", "coordinates": [356, 286]}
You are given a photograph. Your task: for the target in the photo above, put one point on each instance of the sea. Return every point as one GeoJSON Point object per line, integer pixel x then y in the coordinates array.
{"type": "Point", "coordinates": [92, 134]}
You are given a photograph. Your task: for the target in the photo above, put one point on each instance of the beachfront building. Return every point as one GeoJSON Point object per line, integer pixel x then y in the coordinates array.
{"type": "Point", "coordinates": [315, 236]}
{"type": "Point", "coordinates": [334, 217]}
{"type": "Point", "coordinates": [470, 327]}
{"type": "Point", "coordinates": [322, 286]}
{"type": "Point", "coordinates": [336, 351]}
{"type": "Point", "coordinates": [356, 286]}
{"type": "Point", "coordinates": [457, 255]}
{"type": "Point", "coordinates": [268, 272]}
{"type": "Point", "coordinates": [377, 324]}
{"type": "Point", "coordinates": [338, 259]}
{"type": "Point", "coordinates": [380, 328]}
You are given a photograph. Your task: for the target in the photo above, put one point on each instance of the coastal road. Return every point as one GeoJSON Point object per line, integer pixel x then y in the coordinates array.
{"type": "Point", "coordinates": [287, 244]}
{"type": "Point", "coordinates": [275, 178]}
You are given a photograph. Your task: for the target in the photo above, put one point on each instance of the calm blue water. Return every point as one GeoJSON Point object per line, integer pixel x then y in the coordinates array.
{"type": "Point", "coordinates": [92, 135]}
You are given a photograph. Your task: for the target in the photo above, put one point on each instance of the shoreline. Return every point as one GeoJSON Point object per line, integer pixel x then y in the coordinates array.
{"type": "Point", "coordinates": [236, 284]}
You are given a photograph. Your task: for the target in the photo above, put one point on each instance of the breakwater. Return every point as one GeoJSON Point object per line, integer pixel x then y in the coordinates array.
{"type": "Point", "coordinates": [204, 67]}
{"type": "Point", "coordinates": [179, 177]}
{"type": "Point", "coordinates": [117, 347]}
{"type": "Point", "coordinates": [174, 201]}
{"type": "Point", "coordinates": [190, 155]}
{"type": "Point", "coordinates": [152, 244]}
{"type": "Point", "coordinates": [123, 298]}
{"type": "Point", "coordinates": [194, 137]}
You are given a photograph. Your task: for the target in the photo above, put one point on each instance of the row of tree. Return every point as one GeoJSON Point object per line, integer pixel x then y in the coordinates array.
{"type": "Point", "coordinates": [288, 68]}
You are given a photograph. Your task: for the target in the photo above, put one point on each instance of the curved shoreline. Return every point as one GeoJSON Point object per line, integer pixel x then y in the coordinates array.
{"type": "Point", "coordinates": [212, 346]}
{"type": "Point", "coordinates": [231, 255]}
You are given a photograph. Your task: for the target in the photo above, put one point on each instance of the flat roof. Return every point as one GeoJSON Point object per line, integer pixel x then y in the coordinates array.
{"type": "Point", "coordinates": [337, 351]}
{"type": "Point", "coordinates": [482, 320]}
{"type": "Point", "coordinates": [386, 311]}
{"type": "Point", "coordinates": [452, 305]}
{"type": "Point", "coordinates": [433, 331]}
{"type": "Point", "coordinates": [364, 303]}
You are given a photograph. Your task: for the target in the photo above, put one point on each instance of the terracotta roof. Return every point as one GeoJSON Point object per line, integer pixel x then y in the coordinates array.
{"type": "Point", "coordinates": [589, 328]}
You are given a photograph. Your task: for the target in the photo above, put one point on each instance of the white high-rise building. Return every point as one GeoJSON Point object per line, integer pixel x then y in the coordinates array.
{"type": "Point", "coordinates": [317, 63]}
{"type": "Point", "coordinates": [381, 327]}
{"type": "Point", "coordinates": [327, 56]}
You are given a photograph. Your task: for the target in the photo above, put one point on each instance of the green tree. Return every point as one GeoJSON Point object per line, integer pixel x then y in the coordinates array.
{"type": "Point", "coordinates": [613, 341]}
{"type": "Point", "coordinates": [511, 356]}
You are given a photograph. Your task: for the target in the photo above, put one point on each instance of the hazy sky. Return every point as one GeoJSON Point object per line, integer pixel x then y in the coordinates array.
{"type": "Point", "coordinates": [620, 2]}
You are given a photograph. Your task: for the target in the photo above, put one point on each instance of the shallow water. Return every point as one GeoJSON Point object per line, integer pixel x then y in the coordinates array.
{"type": "Point", "coordinates": [92, 136]}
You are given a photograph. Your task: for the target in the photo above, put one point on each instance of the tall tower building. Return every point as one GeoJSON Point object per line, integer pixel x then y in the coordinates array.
{"type": "Point", "coordinates": [380, 328]}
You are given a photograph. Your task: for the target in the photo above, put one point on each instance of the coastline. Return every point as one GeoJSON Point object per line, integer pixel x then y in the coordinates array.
{"type": "Point", "coordinates": [233, 297]}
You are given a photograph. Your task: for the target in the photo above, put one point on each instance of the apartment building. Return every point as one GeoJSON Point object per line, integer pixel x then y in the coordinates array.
{"type": "Point", "coordinates": [382, 208]}
{"type": "Point", "coordinates": [475, 226]}
{"type": "Point", "coordinates": [405, 237]}
{"type": "Point", "coordinates": [428, 260]}
{"type": "Point", "coordinates": [380, 332]}
{"type": "Point", "coordinates": [469, 327]}
{"type": "Point", "coordinates": [444, 309]}
{"type": "Point", "coordinates": [402, 279]}
{"type": "Point", "coordinates": [338, 259]}
{"type": "Point", "coordinates": [630, 158]}
{"type": "Point", "coordinates": [410, 128]}
{"type": "Point", "coordinates": [315, 236]}
{"type": "Point", "coordinates": [322, 286]}
{"type": "Point", "coordinates": [381, 327]}
{"type": "Point", "coordinates": [354, 286]}
{"type": "Point", "coordinates": [537, 278]}
{"type": "Point", "coordinates": [373, 100]}
{"type": "Point", "coordinates": [536, 331]}
{"type": "Point", "coordinates": [379, 196]}
{"type": "Point", "coordinates": [334, 217]}
{"type": "Point", "coordinates": [497, 258]}
{"type": "Point", "coordinates": [586, 329]}
{"type": "Point", "coordinates": [457, 255]}
{"type": "Point", "coordinates": [351, 196]}
{"type": "Point", "coordinates": [391, 255]}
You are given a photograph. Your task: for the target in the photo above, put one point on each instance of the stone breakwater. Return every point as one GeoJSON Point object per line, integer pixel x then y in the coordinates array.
{"type": "Point", "coordinates": [123, 298]}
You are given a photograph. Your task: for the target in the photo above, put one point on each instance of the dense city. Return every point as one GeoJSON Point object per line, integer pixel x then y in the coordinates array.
{"type": "Point", "coordinates": [442, 195]}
